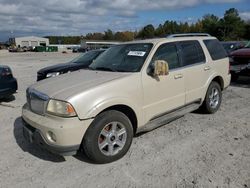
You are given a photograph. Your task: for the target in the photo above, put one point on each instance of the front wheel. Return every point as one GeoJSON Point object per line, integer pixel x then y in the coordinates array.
{"type": "Point", "coordinates": [109, 137]}
{"type": "Point", "coordinates": [213, 98]}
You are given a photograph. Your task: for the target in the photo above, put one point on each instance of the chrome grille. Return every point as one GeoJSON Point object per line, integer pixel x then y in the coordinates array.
{"type": "Point", "coordinates": [37, 101]}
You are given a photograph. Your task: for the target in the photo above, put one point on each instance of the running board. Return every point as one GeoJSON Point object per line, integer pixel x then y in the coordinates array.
{"type": "Point", "coordinates": [168, 117]}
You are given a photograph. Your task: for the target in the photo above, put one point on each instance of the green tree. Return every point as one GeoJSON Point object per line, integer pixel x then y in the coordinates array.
{"type": "Point", "coordinates": [147, 32]}
{"type": "Point", "coordinates": [124, 36]}
{"type": "Point", "coordinates": [94, 36]}
{"type": "Point", "coordinates": [108, 35]}
{"type": "Point", "coordinates": [171, 27]}
{"type": "Point", "coordinates": [247, 31]}
{"type": "Point", "coordinates": [210, 24]}
{"type": "Point", "coordinates": [159, 32]}
{"type": "Point", "coordinates": [232, 26]}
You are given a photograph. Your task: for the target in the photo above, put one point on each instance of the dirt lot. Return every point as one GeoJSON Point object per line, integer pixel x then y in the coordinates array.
{"type": "Point", "coordinates": [196, 150]}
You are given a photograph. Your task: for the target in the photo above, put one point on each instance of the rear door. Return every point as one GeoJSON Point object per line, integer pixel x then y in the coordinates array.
{"type": "Point", "coordinates": [196, 70]}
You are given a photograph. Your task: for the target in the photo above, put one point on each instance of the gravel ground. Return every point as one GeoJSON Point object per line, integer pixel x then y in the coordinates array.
{"type": "Point", "coordinates": [196, 150]}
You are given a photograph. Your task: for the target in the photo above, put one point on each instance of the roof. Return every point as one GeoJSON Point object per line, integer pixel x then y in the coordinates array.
{"type": "Point", "coordinates": [165, 39]}
{"type": "Point", "coordinates": [31, 37]}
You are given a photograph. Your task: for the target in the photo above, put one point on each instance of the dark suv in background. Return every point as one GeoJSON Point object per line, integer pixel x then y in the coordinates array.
{"type": "Point", "coordinates": [240, 63]}
{"type": "Point", "coordinates": [231, 46]}
{"type": "Point", "coordinates": [81, 62]}
{"type": "Point", "coordinates": [8, 84]}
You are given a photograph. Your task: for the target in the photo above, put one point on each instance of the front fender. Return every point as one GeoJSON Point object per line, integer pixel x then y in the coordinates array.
{"type": "Point", "coordinates": [107, 103]}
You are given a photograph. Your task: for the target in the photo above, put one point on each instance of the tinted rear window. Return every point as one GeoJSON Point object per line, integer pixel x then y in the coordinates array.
{"type": "Point", "coordinates": [192, 52]}
{"type": "Point", "coordinates": [215, 49]}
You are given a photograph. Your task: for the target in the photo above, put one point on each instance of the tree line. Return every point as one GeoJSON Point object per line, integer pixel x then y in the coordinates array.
{"type": "Point", "coordinates": [228, 28]}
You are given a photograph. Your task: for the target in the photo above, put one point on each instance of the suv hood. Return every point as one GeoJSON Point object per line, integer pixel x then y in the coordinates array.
{"type": "Point", "coordinates": [64, 86]}
{"type": "Point", "coordinates": [244, 52]}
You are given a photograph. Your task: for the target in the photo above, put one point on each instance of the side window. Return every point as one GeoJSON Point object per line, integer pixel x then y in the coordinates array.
{"type": "Point", "coordinates": [215, 49]}
{"type": "Point", "coordinates": [192, 52]}
{"type": "Point", "coordinates": [167, 52]}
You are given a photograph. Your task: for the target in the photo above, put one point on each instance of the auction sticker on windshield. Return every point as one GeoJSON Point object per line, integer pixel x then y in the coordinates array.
{"type": "Point", "coordinates": [137, 53]}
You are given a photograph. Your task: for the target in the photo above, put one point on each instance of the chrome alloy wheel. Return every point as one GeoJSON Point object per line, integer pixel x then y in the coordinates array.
{"type": "Point", "coordinates": [214, 98]}
{"type": "Point", "coordinates": [112, 138]}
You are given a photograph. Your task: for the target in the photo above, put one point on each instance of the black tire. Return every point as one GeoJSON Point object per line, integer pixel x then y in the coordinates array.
{"type": "Point", "coordinates": [206, 106]}
{"type": "Point", "coordinates": [93, 135]}
{"type": "Point", "coordinates": [234, 77]}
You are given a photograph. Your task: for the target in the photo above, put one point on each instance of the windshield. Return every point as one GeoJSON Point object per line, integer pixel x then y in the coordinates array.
{"type": "Point", "coordinates": [123, 58]}
{"type": "Point", "coordinates": [87, 57]}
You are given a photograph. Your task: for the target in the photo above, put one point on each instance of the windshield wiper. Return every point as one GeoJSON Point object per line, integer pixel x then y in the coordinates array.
{"type": "Point", "coordinates": [105, 69]}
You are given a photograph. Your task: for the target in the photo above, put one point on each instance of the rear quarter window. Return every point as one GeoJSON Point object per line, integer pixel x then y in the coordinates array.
{"type": "Point", "coordinates": [215, 49]}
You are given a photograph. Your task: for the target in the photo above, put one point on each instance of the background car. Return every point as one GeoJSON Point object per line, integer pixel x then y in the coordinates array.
{"type": "Point", "coordinates": [79, 49]}
{"type": "Point", "coordinates": [8, 84]}
{"type": "Point", "coordinates": [82, 61]}
{"type": "Point", "coordinates": [231, 46]}
{"type": "Point", "coordinates": [240, 63]}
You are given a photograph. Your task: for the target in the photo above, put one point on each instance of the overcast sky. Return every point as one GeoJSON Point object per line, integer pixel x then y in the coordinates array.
{"type": "Point", "coordinates": [76, 17]}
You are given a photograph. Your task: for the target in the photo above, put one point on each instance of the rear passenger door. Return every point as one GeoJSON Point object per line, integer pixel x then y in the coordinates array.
{"type": "Point", "coordinates": [195, 70]}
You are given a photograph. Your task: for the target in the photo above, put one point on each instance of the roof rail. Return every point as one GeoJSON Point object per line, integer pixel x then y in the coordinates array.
{"type": "Point", "coordinates": [189, 35]}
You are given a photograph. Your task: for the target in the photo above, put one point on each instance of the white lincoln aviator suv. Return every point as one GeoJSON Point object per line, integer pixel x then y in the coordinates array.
{"type": "Point", "coordinates": [132, 87]}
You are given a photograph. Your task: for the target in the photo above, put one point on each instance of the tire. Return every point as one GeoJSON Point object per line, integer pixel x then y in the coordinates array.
{"type": "Point", "coordinates": [212, 101]}
{"type": "Point", "coordinates": [108, 138]}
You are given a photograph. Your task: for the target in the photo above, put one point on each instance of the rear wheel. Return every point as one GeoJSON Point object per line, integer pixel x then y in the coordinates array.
{"type": "Point", "coordinates": [213, 98]}
{"type": "Point", "coordinates": [109, 137]}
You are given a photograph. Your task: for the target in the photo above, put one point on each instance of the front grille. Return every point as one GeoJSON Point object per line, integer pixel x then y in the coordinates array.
{"type": "Point", "coordinates": [37, 101]}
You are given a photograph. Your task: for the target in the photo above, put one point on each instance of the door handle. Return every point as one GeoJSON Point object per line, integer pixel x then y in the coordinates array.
{"type": "Point", "coordinates": [207, 68]}
{"type": "Point", "coordinates": [178, 76]}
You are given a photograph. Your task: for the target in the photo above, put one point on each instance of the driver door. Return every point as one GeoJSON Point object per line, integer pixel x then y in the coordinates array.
{"type": "Point", "coordinates": [163, 94]}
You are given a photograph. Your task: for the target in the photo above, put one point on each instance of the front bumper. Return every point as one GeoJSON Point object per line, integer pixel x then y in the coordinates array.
{"type": "Point", "coordinates": [33, 135]}
{"type": "Point", "coordinates": [240, 69]}
{"type": "Point", "coordinates": [67, 132]}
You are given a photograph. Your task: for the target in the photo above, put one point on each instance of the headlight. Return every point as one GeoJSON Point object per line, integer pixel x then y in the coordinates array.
{"type": "Point", "coordinates": [52, 74]}
{"type": "Point", "coordinates": [60, 108]}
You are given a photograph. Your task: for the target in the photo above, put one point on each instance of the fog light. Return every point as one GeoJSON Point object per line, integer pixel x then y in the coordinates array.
{"type": "Point", "coordinates": [51, 136]}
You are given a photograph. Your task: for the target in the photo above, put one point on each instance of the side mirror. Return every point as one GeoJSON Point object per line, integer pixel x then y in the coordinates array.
{"type": "Point", "coordinates": [161, 68]}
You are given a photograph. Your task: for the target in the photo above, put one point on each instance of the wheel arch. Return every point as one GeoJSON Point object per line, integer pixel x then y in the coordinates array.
{"type": "Point", "coordinates": [128, 111]}
{"type": "Point", "coordinates": [219, 80]}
